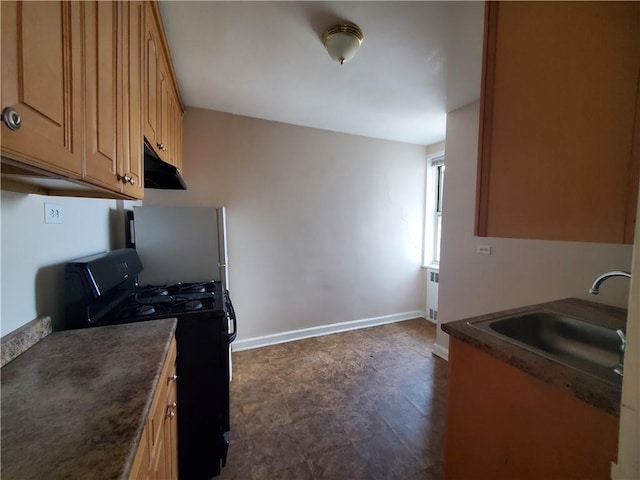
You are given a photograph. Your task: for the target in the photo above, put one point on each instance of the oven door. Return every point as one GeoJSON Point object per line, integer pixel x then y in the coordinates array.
{"type": "Point", "coordinates": [203, 393]}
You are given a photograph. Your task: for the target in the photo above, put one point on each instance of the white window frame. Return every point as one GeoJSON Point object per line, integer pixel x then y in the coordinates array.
{"type": "Point", "coordinates": [431, 211]}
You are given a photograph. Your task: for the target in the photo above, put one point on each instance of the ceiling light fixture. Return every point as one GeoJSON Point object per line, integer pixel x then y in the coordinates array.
{"type": "Point", "coordinates": [342, 41]}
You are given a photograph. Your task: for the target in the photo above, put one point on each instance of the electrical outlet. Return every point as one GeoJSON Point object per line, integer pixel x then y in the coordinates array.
{"type": "Point", "coordinates": [52, 213]}
{"type": "Point", "coordinates": [484, 249]}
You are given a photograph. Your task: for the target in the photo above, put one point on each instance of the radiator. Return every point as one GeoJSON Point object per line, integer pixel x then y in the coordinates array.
{"type": "Point", "coordinates": [433, 281]}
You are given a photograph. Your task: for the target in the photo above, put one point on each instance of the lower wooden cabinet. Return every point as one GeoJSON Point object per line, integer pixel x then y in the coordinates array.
{"type": "Point", "coordinates": [157, 455]}
{"type": "Point", "coordinates": [504, 423]}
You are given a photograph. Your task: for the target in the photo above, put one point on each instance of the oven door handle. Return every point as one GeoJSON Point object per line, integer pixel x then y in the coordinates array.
{"type": "Point", "coordinates": [231, 314]}
{"type": "Point", "coordinates": [232, 336]}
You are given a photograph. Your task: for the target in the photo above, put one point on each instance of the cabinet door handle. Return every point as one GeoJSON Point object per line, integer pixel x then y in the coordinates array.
{"type": "Point", "coordinates": [162, 147]}
{"type": "Point", "coordinates": [173, 378]}
{"type": "Point", "coordinates": [171, 410]}
{"type": "Point", "coordinates": [126, 179]}
{"type": "Point", "coordinates": [11, 118]}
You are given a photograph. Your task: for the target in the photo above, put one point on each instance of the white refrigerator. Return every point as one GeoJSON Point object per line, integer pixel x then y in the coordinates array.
{"type": "Point", "coordinates": [181, 244]}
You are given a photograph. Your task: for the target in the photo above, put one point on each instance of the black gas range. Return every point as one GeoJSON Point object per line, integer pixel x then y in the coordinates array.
{"type": "Point", "coordinates": [103, 290]}
{"type": "Point", "coordinates": [161, 301]}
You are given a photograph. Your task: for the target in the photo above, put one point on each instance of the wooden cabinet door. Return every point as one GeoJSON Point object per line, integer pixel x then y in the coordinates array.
{"type": "Point", "coordinates": [151, 57]}
{"type": "Point", "coordinates": [558, 159]}
{"type": "Point", "coordinates": [178, 146]}
{"type": "Point", "coordinates": [175, 128]}
{"type": "Point", "coordinates": [157, 457]}
{"type": "Point", "coordinates": [503, 423]}
{"type": "Point", "coordinates": [42, 81]}
{"type": "Point", "coordinates": [101, 69]}
{"type": "Point", "coordinates": [140, 466]}
{"type": "Point", "coordinates": [161, 99]}
{"type": "Point", "coordinates": [170, 431]}
{"type": "Point", "coordinates": [164, 141]}
{"type": "Point", "coordinates": [158, 462]}
{"type": "Point", "coordinates": [131, 164]}
{"type": "Point", "coordinates": [156, 129]}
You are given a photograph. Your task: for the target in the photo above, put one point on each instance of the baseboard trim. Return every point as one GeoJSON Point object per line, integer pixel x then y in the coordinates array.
{"type": "Point", "coordinates": [303, 333]}
{"type": "Point", "coordinates": [440, 351]}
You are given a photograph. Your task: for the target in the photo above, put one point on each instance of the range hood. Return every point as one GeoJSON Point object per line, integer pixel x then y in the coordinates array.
{"type": "Point", "coordinates": [159, 174]}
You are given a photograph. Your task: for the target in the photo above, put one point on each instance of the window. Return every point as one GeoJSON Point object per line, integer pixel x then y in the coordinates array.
{"type": "Point", "coordinates": [433, 208]}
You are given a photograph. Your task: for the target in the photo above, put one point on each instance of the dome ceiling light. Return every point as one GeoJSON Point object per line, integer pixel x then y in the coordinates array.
{"type": "Point", "coordinates": [342, 41]}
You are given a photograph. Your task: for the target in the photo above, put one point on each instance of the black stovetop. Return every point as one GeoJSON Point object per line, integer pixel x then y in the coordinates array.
{"type": "Point", "coordinates": [150, 302]}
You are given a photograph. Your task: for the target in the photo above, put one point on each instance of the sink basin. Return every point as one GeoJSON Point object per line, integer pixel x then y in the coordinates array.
{"type": "Point", "coordinates": [594, 349]}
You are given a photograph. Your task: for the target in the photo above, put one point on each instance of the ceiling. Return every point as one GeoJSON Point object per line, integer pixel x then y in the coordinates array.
{"type": "Point", "coordinates": [266, 60]}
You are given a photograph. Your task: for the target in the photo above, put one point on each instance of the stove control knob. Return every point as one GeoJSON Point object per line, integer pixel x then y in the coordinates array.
{"type": "Point", "coordinates": [173, 378]}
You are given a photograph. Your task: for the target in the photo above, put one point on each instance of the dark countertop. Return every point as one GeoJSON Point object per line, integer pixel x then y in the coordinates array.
{"type": "Point", "coordinates": [582, 385]}
{"type": "Point", "coordinates": [74, 405]}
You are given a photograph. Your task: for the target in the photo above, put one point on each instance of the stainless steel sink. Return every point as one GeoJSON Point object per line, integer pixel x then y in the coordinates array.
{"type": "Point", "coordinates": [594, 349]}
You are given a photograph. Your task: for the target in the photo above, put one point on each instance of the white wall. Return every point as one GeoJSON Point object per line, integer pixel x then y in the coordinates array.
{"type": "Point", "coordinates": [518, 272]}
{"type": "Point", "coordinates": [33, 252]}
{"type": "Point", "coordinates": [322, 227]}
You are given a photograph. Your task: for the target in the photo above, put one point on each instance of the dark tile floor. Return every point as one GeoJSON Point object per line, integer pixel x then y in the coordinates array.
{"type": "Point", "coordinates": [364, 404]}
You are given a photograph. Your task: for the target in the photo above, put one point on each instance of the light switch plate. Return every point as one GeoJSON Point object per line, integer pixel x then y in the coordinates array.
{"type": "Point", "coordinates": [484, 249]}
{"type": "Point", "coordinates": [52, 213]}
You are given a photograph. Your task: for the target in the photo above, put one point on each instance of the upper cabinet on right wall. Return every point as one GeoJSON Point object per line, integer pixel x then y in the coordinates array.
{"type": "Point", "coordinates": [559, 155]}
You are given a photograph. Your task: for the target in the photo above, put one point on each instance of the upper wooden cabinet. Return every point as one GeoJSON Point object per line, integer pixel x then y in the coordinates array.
{"type": "Point", "coordinates": [130, 55]}
{"type": "Point", "coordinates": [113, 94]}
{"type": "Point", "coordinates": [150, 92]}
{"type": "Point", "coordinates": [42, 82]}
{"type": "Point", "coordinates": [75, 74]}
{"type": "Point", "coordinates": [163, 107]}
{"type": "Point", "coordinates": [559, 148]}
{"type": "Point", "coordinates": [175, 132]}
{"type": "Point", "coordinates": [100, 21]}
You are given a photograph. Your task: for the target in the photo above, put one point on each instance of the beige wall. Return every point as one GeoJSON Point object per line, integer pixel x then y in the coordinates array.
{"type": "Point", "coordinates": [33, 253]}
{"type": "Point", "coordinates": [518, 272]}
{"type": "Point", "coordinates": [435, 148]}
{"type": "Point", "coordinates": [322, 227]}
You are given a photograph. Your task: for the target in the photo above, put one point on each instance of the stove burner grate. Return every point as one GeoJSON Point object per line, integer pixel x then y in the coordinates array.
{"type": "Point", "coordinates": [193, 288]}
{"type": "Point", "coordinates": [152, 291]}
{"type": "Point", "coordinates": [144, 310]}
{"type": "Point", "coordinates": [193, 305]}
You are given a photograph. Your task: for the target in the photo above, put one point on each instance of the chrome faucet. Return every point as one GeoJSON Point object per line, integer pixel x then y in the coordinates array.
{"type": "Point", "coordinates": [619, 369]}
{"type": "Point", "coordinates": [595, 288]}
